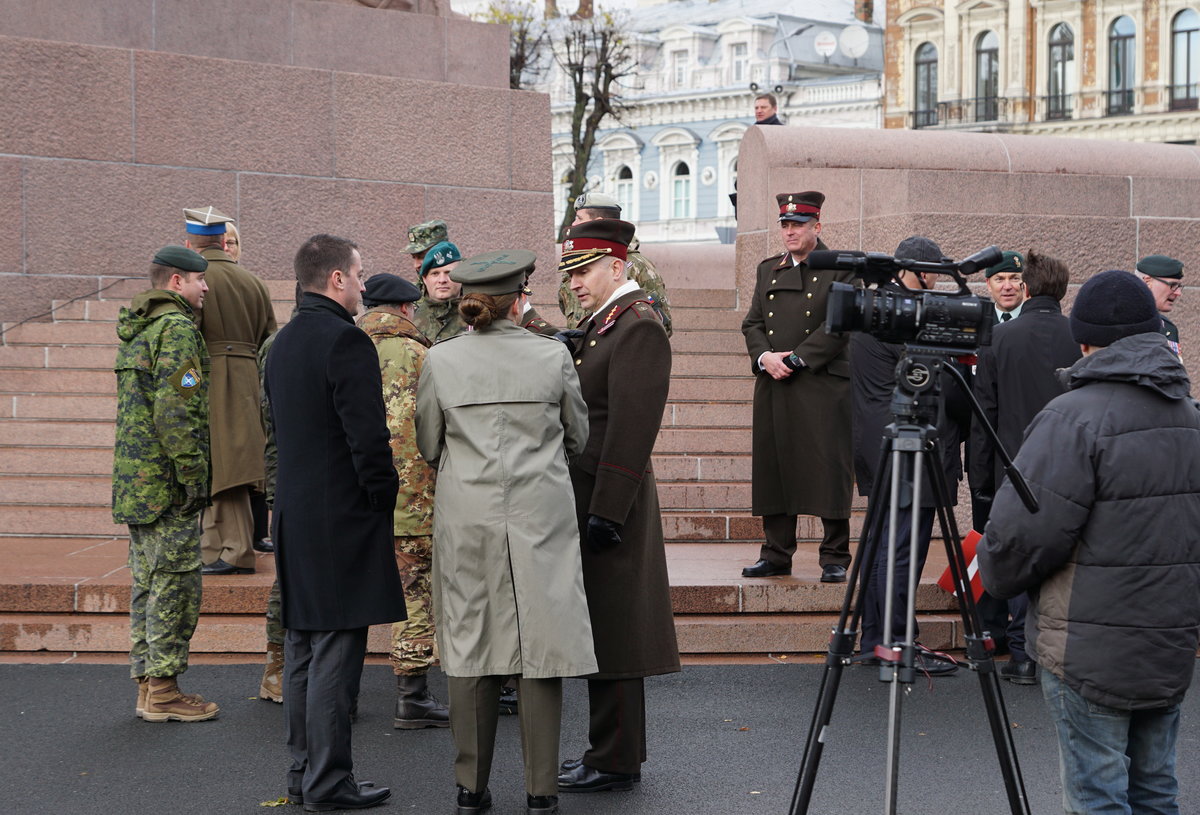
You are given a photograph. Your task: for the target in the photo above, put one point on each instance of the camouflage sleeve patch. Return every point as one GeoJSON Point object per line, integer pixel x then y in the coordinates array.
{"type": "Point", "coordinates": [187, 380]}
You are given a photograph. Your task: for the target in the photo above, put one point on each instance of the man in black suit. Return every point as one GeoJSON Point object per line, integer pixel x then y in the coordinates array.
{"type": "Point", "coordinates": [334, 499]}
{"type": "Point", "coordinates": [1014, 380]}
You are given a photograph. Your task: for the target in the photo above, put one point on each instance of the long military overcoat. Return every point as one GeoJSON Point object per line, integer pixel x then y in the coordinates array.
{"type": "Point", "coordinates": [336, 487]}
{"type": "Point", "coordinates": [498, 413]}
{"type": "Point", "coordinates": [236, 319]}
{"type": "Point", "coordinates": [802, 452]}
{"type": "Point", "coordinates": [624, 365]}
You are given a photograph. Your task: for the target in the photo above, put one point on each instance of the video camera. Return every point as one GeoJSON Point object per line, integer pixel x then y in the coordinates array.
{"type": "Point", "coordinates": [955, 322]}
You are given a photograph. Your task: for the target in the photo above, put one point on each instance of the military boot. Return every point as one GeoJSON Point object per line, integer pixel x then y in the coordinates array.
{"type": "Point", "coordinates": [143, 683]}
{"type": "Point", "coordinates": [271, 687]}
{"type": "Point", "coordinates": [166, 702]}
{"type": "Point", "coordinates": [416, 707]}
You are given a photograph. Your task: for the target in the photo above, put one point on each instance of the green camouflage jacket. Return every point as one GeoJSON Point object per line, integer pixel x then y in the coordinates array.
{"type": "Point", "coordinates": [270, 452]}
{"type": "Point", "coordinates": [438, 320]}
{"type": "Point", "coordinates": [401, 350]}
{"type": "Point", "coordinates": [162, 408]}
{"type": "Point", "coordinates": [639, 269]}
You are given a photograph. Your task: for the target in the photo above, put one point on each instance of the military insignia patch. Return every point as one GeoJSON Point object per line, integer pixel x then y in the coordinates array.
{"type": "Point", "coordinates": [187, 380]}
{"type": "Point", "coordinates": [568, 246]}
{"type": "Point", "coordinates": [612, 313]}
{"type": "Point", "coordinates": [190, 379]}
{"type": "Point", "coordinates": [790, 207]}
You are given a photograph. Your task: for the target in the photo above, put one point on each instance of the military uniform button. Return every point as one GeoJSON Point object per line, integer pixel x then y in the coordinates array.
{"type": "Point", "coordinates": [809, 295]}
{"type": "Point", "coordinates": [814, 280]}
{"type": "Point", "coordinates": [808, 314]}
{"type": "Point", "coordinates": [772, 281]}
{"type": "Point", "coordinates": [808, 331]}
{"type": "Point", "coordinates": [770, 297]}
{"type": "Point", "coordinates": [769, 333]}
{"type": "Point", "coordinates": [593, 342]}
{"type": "Point", "coordinates": [770, 314]}
{"type": "Point", "coordinates": [578, 361]}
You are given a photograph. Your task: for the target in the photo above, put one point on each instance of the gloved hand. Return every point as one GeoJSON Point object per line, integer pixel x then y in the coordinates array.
{"type": "Point", "coordinates": [602, 533]}
{"type": "Point", "coordinates": [981, 508]}
{"type": "Point", "coordinates": [195, 499]}
{"type": "Point", "coordinates": [568, 336]}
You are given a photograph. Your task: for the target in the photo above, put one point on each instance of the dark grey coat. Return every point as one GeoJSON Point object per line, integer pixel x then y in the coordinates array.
{"type": "Point", "coordinates": [1112, 560]}
{"type": "Point", "coordinates": [337, 485]}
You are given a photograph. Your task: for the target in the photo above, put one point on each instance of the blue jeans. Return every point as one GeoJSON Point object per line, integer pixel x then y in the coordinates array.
{"type": "Point", "coordinates": [1113, 761]}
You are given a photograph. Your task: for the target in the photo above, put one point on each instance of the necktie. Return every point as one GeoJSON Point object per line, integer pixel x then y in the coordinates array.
{"type": "Point", "coordinates": [1005, 317]}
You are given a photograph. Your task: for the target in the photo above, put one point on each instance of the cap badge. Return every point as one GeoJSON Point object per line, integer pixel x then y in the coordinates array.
{"type": "Point", "coordinates": [501, 260]}
{"type": "Point", "coordinates": [568, 246]}
{"type": "Point", "coordinates": [790, 207]}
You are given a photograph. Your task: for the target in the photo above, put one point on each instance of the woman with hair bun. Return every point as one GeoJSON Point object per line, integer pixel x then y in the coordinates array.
{"type": "Point", "coordinates": [499, 412]}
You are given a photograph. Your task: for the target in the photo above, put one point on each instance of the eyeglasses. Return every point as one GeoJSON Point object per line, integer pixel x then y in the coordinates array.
{"type": "Point", "coordinates": [1173, 285]}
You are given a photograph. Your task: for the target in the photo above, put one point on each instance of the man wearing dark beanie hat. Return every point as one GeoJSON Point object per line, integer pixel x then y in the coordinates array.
{"type": "Point", "coordinates": [1110, 559]}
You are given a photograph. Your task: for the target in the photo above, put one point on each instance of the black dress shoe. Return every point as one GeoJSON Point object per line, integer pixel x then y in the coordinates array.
{"type": "Point", "coordinates": [573, 763]}
{"type": "Point", "coordinates": [765, 569]}
{"type": "Point", "coordinates": [265, 545]}
{"type": "Point", "coordinates": [833, 574]}
{"type": "Point", "coordinates": [927, 664]}
{"type": "Point", "coordinates": [508, 701]}
{"type": "Point", "coordinates": [1020, 672]}
{"type": "Point", "coordinates": [588, 779]}
{"type": "Point", "coordinates": [470, 803]}
{"type": "Point", "coordinates": [296, 795]}
{"type": "Point", "coordinates": [219, 566]}
{"type": "Point", "coordinates": [541, 804]}
{"type": "Point", "coordinates": [363, 799]}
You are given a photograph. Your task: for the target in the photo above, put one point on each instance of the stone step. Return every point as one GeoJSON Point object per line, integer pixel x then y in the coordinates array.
{"type": "Point", "coordinates": [60, 381]}
{"type": "Point", "coordinates": [682, 467]}
{"type": "Point", "coordinates": [53, 356]}
{"type": "Point", "coordinates": [700, 342]}
{"type": "Point", "coordinates": [707, 319]}
{"type": "Point", "coordinates": [729, 416]}
{"type": "Point", "coordinates": [62, 406]}
{"type": "Point", "coordinates": [70, 521]}
{"type": "Point", "coordinates": [710, 365]}
{"type": "Point", "coordinates": [58, 433]}
{"type": "Point", "coordinates": [56, 490]}
{"type": "Point", "coordinates": [56, 461]}
{"type": "Point", "coordinates": [711, 388]}
{"type": "Point", "coordinates": [705, 440]}
{"type": "Point", "coordinates": [62, 333]}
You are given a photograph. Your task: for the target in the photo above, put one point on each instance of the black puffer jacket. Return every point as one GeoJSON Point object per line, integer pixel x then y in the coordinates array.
{"type": "Point", "coordinates": [1112, 560]}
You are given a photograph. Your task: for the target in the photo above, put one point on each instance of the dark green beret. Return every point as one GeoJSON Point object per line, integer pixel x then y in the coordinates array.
{"type": "Point", "coordinates": [180, 257]}
{"type": "Point", "coordinates": [1161, 266]}
{"type": "Point", "coordinates": [1013, 263]}
{"type": "Point", "coordinates": [495, 273]}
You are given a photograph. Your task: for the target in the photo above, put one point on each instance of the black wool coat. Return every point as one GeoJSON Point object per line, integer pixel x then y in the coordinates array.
{"type": "Point", "coordinates": [624, 367]}
{"type": "Point", "coordinates": [337, 485]}
{"type": "Point", "coordinates": [802, 460]}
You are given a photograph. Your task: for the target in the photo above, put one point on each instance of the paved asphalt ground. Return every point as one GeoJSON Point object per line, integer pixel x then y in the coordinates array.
{"type": "Point", "coordinates": [70, 745]}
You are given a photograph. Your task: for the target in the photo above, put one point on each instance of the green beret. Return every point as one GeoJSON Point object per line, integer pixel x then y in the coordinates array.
{"type": "Point", "coordinates": [423, 237]}
{"type": "Point", "coordinates": [439, 255]}
{"type": "Point", "coordinates": [1161, 266]}
{"type": "Point", "coordinates": [495, 273]}
{"type": "Point", "coordinates": [1012, 263]}
{"type": "Point", "coordinates": [180, 257]}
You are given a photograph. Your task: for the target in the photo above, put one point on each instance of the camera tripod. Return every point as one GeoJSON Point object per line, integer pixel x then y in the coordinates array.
{"type": "Point", "coordinates": [909, 448]}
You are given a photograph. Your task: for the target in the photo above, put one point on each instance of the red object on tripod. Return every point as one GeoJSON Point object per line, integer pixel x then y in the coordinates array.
{"type": "Point", "coordinates": [946, 581]}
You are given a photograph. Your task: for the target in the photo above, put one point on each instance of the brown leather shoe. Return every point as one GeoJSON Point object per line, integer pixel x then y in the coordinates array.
{"type": "Point", "coordinates": [143, 683]}
{"type": "Point", "coordinates": [271, 687]}
{"type": "Point", "coordinates": [165, 702]}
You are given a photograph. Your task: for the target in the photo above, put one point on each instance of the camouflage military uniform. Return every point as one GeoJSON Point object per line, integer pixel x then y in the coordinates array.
{"type": "Point", "coordinates": [161, 474]}
{"type": "Point", "coordinates": [436, 319]}
{"type": "Point", "coordinates": [271, 463]}
{"type": "Point", "coordinates": [639, 269]}
{"type": "Point", "coordinates": [401, 350]}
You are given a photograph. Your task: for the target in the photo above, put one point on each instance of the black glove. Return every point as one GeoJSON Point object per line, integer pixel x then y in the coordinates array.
{"type": "Point", "coordinates": [568, 336]}
{"type": "Point", "coordinates": [195, 499]}
{"type": "Point", "coordinates": [981, 508]}
{"type": "Point", "coordinates": [602, 533]}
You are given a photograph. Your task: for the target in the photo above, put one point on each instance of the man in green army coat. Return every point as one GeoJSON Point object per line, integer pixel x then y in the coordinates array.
{"type": "Point", "coordinates": [236, 319]}
{"type": "Point", "coordinates": [401, 347]}
{"type": "Point", "coordinates": [422, 238]}
{"type": "Point", "coordinates": [161, 477]}
{"type": "Point", "coordinates": [591, 207]}
{"type": "Point", "coordinates": [436, 313]}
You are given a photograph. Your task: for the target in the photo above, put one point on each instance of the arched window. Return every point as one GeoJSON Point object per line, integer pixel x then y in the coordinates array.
{"type": "Point", "coordinates": [625, 190]}
{"type": "Point", "coordinates": [1061, 83]}
{"type": "Point", "coordinates": [681, 191]}
{"type": "Point", "coordinates": [925, 93]}
{"type": "Point", "coordinates": [1185, 60]}
{"type": "Point", "coordinates": [987, 77]}
{"type": "Point", "coordinates": [1120, 66]}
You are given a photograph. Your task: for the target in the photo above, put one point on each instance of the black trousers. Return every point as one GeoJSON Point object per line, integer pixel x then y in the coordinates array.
{"type": "Point", "coordinates": [320, 676]}
{"type": "Point", "coordinates": [616, 725]}
{"type": "Point", "coordinates": [779, 533]}
{"type": "Point", "coordinates": [876, 596]}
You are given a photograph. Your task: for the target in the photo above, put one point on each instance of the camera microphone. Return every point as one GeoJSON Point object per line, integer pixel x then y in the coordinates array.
{"type": "Point", "coordinates": [834, 259]}
{"type": "Point", "coordinates": [983, 259]}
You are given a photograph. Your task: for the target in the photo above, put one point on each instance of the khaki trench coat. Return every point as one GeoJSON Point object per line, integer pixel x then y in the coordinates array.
{"type": "Point", "coordinates": [624, 366]}
{"type": "Point", "coordinates": [236, 319]}
{"type": "Point", "coordinates": [498, 412]}
{"type": "Point", "coordinates": [803, 458]}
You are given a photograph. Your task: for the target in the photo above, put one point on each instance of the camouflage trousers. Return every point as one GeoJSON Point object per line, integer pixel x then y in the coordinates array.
{"type": "Point", "coordinates": [413, 649]}
{"type": "Point", "coordinates": [164, 603]}
{"type": "Point", "coordinates": [274, 616]}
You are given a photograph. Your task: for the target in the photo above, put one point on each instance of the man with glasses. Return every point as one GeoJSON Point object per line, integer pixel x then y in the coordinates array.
{"type": "Point", "coordinates": [1164, 276]}
{"type": "Point", "coordinates": [1006, 286]}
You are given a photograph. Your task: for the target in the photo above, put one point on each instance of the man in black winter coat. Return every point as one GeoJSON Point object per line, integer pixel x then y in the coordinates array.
{"type": "Point", "coordinates": [1111, 560]}
{"type": "Point", "coordinates": [1015, 378]}
{"type": "Point", "coordinates": [334, 498]}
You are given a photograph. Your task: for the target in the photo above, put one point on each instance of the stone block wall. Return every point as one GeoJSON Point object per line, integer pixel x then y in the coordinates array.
{"type": "Point", "coordinates": [292, 116]}
{"type": "Point", "coordinates": [1096, 204]}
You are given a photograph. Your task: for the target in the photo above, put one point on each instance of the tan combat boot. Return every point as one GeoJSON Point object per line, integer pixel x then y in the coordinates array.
{"type": "Point", "coordinates": [271, 688]}
{"type": "Point", "coordinates": [143, 683]}
{"type": "Point", "coordinates": [165, 702]}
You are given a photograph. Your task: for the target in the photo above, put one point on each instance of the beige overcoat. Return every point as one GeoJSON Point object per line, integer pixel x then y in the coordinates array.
{"type": "Point", "coordinates": [498, 412]}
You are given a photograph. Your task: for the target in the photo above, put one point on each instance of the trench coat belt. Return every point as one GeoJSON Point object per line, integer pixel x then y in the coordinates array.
{"type": "Point", "coordinates": [233, 348]}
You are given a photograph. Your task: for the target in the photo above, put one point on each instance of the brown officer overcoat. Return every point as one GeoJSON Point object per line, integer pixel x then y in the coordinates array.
{"type": "Point", "coordinates": [624, 366]}
{"type": "Point", "coordinates": [236, 319]}
{"type": "Point", "coordinates": [802, 453]}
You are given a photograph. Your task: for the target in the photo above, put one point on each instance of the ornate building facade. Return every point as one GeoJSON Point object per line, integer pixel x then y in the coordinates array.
{"type": "Point", "coordinates": [671, 159]}
{"type": "Point", "coordinates": [1114, 69]}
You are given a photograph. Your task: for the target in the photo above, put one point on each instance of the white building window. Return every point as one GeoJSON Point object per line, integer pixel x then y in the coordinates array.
{"type": "Point", "coordinates": [681, 191]}
{"type": "Point", "coordinates": [739, 63]}
{"type": "Point", "coordinates": [679, 69]}
{"type": "Point", "coordinates": [625, 189]}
